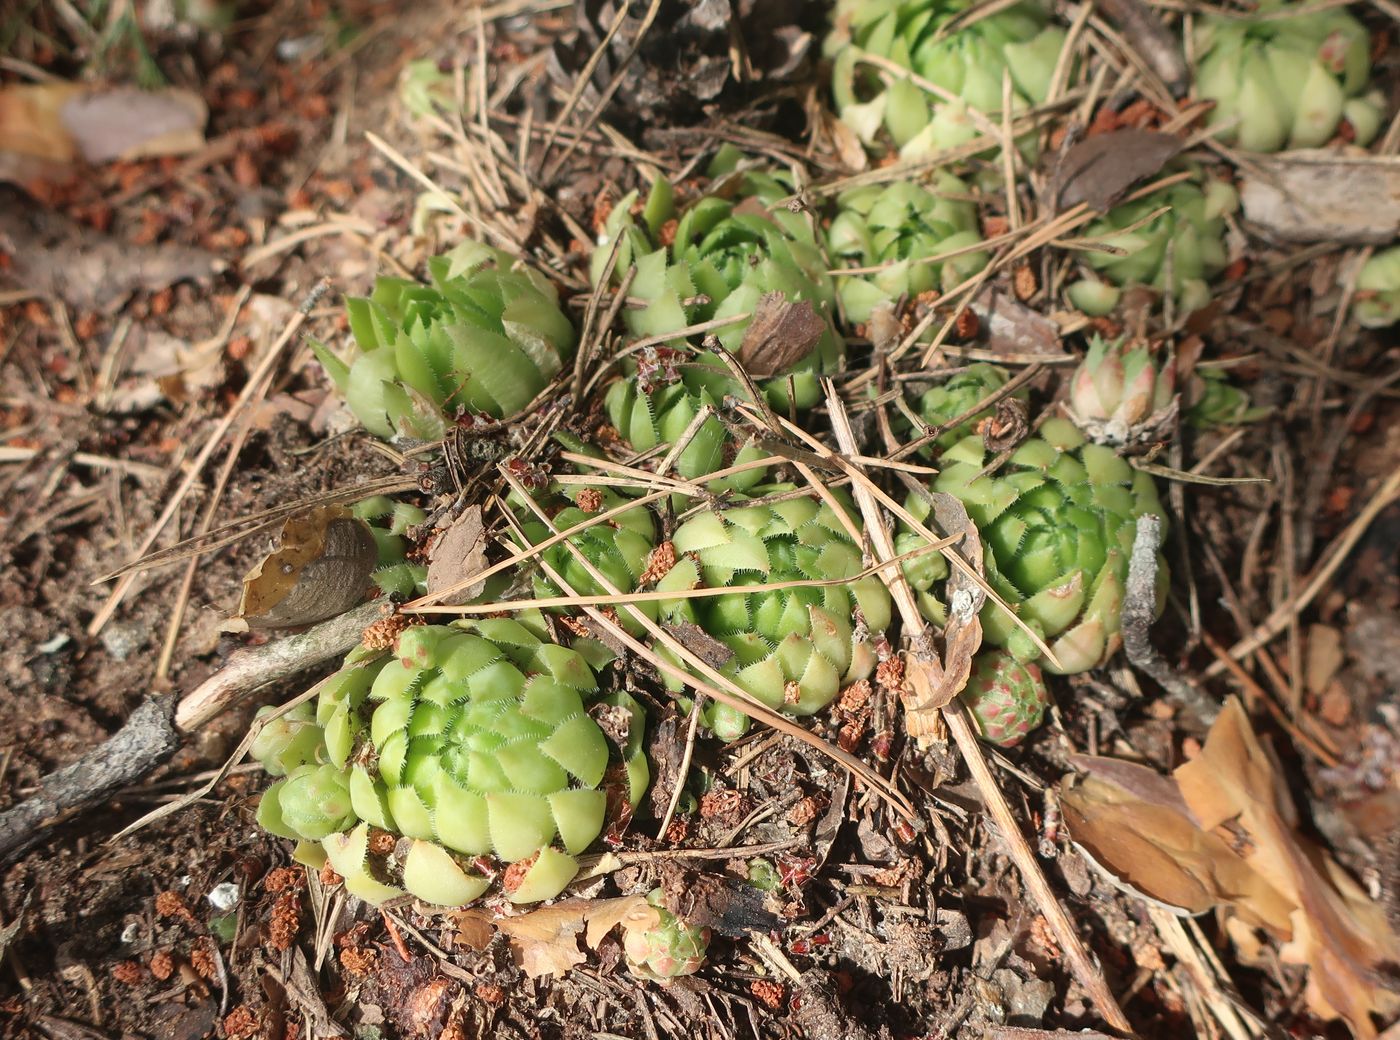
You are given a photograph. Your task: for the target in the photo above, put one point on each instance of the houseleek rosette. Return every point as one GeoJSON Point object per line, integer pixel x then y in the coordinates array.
{"type": "Point", "coordinates": [1377, 301]}
{"type": "Point", "coordinates": [899, 227]}
{"type": "Point", "coordinates": [660, 417]}
{"type": "Point", "coordinates": [1057, 522]}
{"type": "Point", "coordinates": [620, 548]}
{"type": "Point", "coordinates": [942, 42]}
{"type": "Point", "coordinates": [1118, 389]}
{"type": "Point", "coordinates": [1282, 78]}
{"type": "Point", "coordinates": [667, 950]}
{"type": "Point", "coordinates": [955, 396]}
{"type": "Point", "coordinates": [389, 522]}
{"type": "Point", "coordinates": [486, 337]}
{"type": "Point", "coordinates": [1006, 697]}
{"type": "Point", "coordinates": [1216, 401]}
{"type": "Point", "coordinates": [791, 648]}
{"type": "Point", "coordinates": [1176, 252]}
{"type": "Point", "coordinates": [469, 743]}
{"type": "Point", "coordinates": [716, 259]}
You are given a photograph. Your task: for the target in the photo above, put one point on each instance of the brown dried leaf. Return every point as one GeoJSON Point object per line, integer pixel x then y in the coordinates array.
{"type": "Point", "coordinates": [779, 335]}
{"type": "Point", "coordinates": [61, 122]}
{"type": "Point", "coordinates": [929, 682]}
{"type": "Point", "coordinates": [1133, 824]}
{"type": "Point", "coordinates": [127, 123]}
{"type": "Point", "coordinates": [1099, 169]}
{"type": "Point", "coordinates": [1012, 328]}
{"type": "Point", "coordinates": [1338, 932]}
{"type": "Point", "coordinates": [700, 643]}
{"type": "Point", "coordinates": [458, 552]}
{"type": "Point", "coordinates": [545, 941]}
{"type": "Point", "coordinates": [320, 569]}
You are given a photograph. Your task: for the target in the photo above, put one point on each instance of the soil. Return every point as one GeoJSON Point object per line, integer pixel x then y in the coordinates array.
{"type": "Point", "coordinates": [197, 925]}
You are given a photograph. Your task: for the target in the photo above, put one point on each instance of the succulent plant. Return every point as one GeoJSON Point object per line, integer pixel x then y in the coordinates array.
{"type": "Point", "coordinates": [486, 337]}
{"type": "Point", "coordinates": [792, 648]}
{"type": "Point", "coordinates": [899, 227]}
{"type": "Point", "coordinates": [1119, 391]}
{"type": "Point", "coordinates": [620, 548]}
{"type": "Point", "coordinates": [1285, 77]}
{"type": "Point", "coordinates": [669, 949]}
{"type": "Point", "coordinates": [389, 522]}
{"type": "Point", "coordinates": [1057, 524]}
{"type": "Point", "coordinates": [1006, 697]}
{"type": "Point", "coordinates": [470, 742]}
{"type": "Point", "coordinates": [717, 258]}
{"type": "Point", "coordinates": [939, 42]}
{"type": "Point", "coordinates": [656, 415]}
{"type": "Point", "coordinates": [1176, 252]}
{"type": "Point", "coordinates": [955, 396]}
{"type": "Point", "coordinates": [1215, 401]}
{"type": "Point", "coordinates": [1377, 303]}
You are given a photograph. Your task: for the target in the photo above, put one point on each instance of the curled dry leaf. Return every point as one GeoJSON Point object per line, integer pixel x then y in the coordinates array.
{"type": "Point", "coordinates": [1012, 328]}
{"type": "Point", "coordinates": [460, 551]}
{"type": "Point", "coordinates": [931, 683]}
{"type": "Point", "coordinates": [545, 941]}
{"type": "Point", "coordinates": [1132, 823]}
{"type": "Point", "coordinates": [1339, 933]}
{"type": "Point", "coordinates": [62, 122]}
{"type": "Point", "coordinates": [320, 569]}
{"type": "Point", "coordinates": [1222, 832]}
{"type": "Point", "coordinates": [1099, 169]}
{"type": "Point", "coordinates": [781, 334]}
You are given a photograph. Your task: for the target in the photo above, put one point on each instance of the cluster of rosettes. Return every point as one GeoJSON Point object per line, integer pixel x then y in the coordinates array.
{"type": "Point", "coordinates": [899, 228]}
{"type": "Point", "coordinates": [1057, 523]}
{"type": "Point", "coordinates": [485, 337]}
{"type": "Point", "coordinates": [792, 647]}
{"type": "Point", "coordinates": [469, 751]}
{"type": "Point", "coordinates": [889, 53]}
{"type": "Point", "coordinates": [1287, 78]}
{"type": "Point", "coordinates": [717, 258]}
{"type": "Point", "coordinates": [1176, 252]}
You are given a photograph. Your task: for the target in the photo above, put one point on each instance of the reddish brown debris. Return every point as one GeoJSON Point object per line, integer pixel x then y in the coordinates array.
{"type": "Point", "coordinates": [381, 843]}
{"type": "Point", "coordinates": [889, 673]}
{"type": "Point", "coordinates": [329, 877]}
{"type": "Point", "coordinates": [128, 973]}
{"type": "Point", "coordinates": [490, 994]}
{"type": "Point", "coordinates": [172, 904]}
{"type": "Point", "coordinates": [769, 993]}
{"type": "Point", "coordinates": [284, 921]}
{"type": "Point", "coordinates": [590, 500]}
{"type": "Point", "coordinates": [203, 961]}
{"type": "Point", "coordinates": [659, 563]}
{"type": "Point", "coordinates": [807, 810]}
{"type": "Point", "coordinates": [855, 696]}
{"type": "Point", "coordinates": [283, 878]}
{"type": "Point", "coordinates": [1023, 281]}
{"type": "Point", "coordinates": [359, 960]}
{"type": "Point", "coordinates": [384, 633]}
{"type": "Point", "coordinates": [241, 1023]}
{"type": "Point", "coordinates": [515, 873]}
{"type": "Point", "coordinates": [162, 965]}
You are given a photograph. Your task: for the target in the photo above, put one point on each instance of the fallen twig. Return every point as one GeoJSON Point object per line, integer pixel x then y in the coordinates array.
{"type": "Point", "coordinates": [154, 730]}
{"type": "Point", "coordinates": [148, 739]}
{"type": "Point", "coordinates": [1139, 611]}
